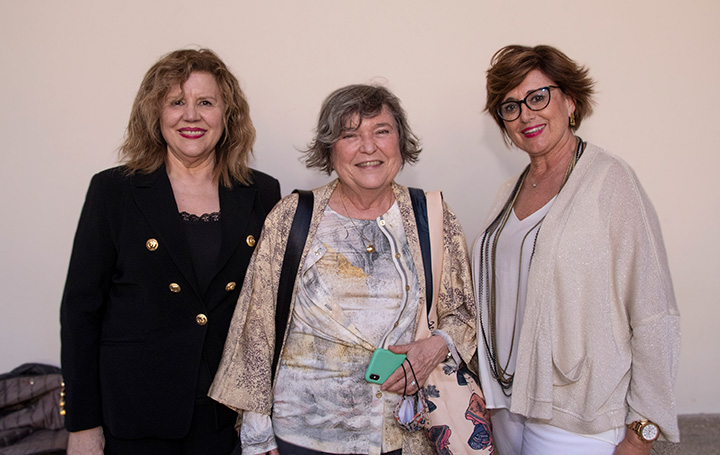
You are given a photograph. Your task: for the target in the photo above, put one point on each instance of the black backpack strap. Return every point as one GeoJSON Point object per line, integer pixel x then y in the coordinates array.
{"type": "Point", "coordinates": [419, 203]}
{"type": "Point", "coordinates": [291, 262]}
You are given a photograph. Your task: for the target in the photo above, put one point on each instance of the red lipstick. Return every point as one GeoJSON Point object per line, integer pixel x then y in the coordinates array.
{"type": "Point", "coordinates": [192, 133]}
{"type": "Point", "coordinates": [533, 131]}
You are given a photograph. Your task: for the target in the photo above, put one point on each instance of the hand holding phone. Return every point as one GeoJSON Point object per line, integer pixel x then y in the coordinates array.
{"type": "Point", "coordinates": [382, 364]}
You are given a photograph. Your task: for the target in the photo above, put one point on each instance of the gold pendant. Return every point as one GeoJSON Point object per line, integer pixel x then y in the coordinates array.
{"type": "Point", "coordinates": [370, 248]}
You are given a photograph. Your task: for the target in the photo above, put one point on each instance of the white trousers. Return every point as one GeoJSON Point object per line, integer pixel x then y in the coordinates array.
{"type": "Point", "coordinates": [513, 434]}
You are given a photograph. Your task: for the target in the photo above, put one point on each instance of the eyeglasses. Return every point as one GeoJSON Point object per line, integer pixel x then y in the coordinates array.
{"type": "Point", "coordinates": [537, 100]}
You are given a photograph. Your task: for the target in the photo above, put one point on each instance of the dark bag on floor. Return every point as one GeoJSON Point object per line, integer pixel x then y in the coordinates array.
{"type": "Point", "coordinates": [31, 412]}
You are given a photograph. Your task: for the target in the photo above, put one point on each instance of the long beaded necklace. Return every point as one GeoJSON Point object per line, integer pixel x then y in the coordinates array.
{"type": "Point", "coordinates": [499, 369]}
{"type": "Point", "coordinates": [370, 248]}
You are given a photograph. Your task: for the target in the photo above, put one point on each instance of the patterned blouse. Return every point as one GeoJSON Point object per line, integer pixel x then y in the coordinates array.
{"type": "Point", "coordinates": [349, 302]}
{"type": "Point", "coordinates": [245, 374]}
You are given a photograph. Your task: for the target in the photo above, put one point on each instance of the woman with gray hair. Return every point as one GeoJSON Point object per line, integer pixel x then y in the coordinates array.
{"type": "Point", "coordinates": [359, 286]}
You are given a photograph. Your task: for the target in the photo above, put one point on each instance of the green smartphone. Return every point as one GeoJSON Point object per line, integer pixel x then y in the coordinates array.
{"type": "Point", "coordinates": [382, 364]}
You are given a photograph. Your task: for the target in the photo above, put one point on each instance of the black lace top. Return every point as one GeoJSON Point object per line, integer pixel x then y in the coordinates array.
{"type": "Point", "coordinates": [204, 236]}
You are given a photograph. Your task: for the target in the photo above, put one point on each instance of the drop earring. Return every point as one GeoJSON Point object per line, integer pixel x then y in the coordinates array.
{"type": "Point", "coordinates": [572, 119]}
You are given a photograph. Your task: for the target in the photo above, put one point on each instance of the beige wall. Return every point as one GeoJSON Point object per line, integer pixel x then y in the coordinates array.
{"type": "Point", "coordinates": [71, 69]}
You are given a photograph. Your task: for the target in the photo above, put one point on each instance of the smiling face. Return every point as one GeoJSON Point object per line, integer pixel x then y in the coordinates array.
{"type": "Point", "coordinates": [367, 158]}
{"type": "Point", "coordinates": [192, 119]}
{"type": "Point", "coordinates": [545, 131]}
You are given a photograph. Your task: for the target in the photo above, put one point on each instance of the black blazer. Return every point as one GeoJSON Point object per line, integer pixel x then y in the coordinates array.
{"type": "Point", "coordinates": [134, 325]}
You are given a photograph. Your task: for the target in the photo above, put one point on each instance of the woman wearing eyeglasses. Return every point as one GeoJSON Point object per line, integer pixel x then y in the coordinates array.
{"type": "Point", "coordinates": [578, 326]}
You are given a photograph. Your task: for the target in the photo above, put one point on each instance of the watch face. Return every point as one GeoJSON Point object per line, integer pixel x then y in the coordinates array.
{"type": "Point", "coordinates": [650, 432]}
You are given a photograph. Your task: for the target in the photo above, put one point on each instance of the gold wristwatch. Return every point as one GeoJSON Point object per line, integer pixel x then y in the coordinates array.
{"type": "Point", "coordinates": [646, 430]}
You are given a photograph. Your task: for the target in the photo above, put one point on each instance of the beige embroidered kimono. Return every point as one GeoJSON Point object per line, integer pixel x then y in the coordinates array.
{"type": "Point", "coordinates": [243, 381]}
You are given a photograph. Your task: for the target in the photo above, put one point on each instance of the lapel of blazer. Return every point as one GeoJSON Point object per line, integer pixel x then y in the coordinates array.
{"type": "Point", "coordinates": [236, 209]}
{"type": "Point", "coordinates": [154, 196]}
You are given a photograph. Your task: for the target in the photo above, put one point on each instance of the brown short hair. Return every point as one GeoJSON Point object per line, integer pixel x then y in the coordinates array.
{"type": "Point", "coordinates": [511, 64]}
{"type": "Point", "coordinates": [341, 106]}
{"type": "Point", "coordinates": [145, 148]}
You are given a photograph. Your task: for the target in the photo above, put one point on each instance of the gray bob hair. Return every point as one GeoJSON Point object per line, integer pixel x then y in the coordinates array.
{"type": "Point", "coordinates": [336, 115]}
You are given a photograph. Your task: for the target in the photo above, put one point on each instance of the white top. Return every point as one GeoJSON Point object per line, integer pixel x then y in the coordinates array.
{"type": "Point", "coordinates": [511, 293]}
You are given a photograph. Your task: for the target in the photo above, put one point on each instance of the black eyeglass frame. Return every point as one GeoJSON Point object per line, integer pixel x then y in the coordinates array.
{"type": "Point", "coordinates": [524, 101]}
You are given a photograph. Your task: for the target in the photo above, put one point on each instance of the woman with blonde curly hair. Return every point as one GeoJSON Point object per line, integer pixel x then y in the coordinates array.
{"type": "Point", "coordinates": [160, 252]}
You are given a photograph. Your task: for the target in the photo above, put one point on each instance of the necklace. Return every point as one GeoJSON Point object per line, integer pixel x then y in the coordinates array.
{"type": "Point", "coordinates": [498, 368]}
{"type": "Point", "coordinates": [370, 248]}
{"type": "Point", "coordinates": [568, 170]}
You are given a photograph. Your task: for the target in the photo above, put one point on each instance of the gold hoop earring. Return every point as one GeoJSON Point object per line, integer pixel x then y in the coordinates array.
{"type": "Point", "coordinates": [572, 119]}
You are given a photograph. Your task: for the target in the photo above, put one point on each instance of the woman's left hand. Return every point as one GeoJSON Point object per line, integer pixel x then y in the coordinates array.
{"type": "Point", "coordinates": [632, 445]}
{"type": "Point", "coordinates": [424, 355]}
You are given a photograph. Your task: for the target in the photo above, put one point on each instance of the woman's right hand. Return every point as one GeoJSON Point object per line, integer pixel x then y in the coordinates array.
{"type": "Point", "coordinates": [86, 442]}
{"type": "Point", "coordinates": [424, 355]}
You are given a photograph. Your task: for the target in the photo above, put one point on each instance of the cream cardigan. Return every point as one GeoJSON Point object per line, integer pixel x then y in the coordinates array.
{"type": "Point", "coordinates": [600, 338]}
